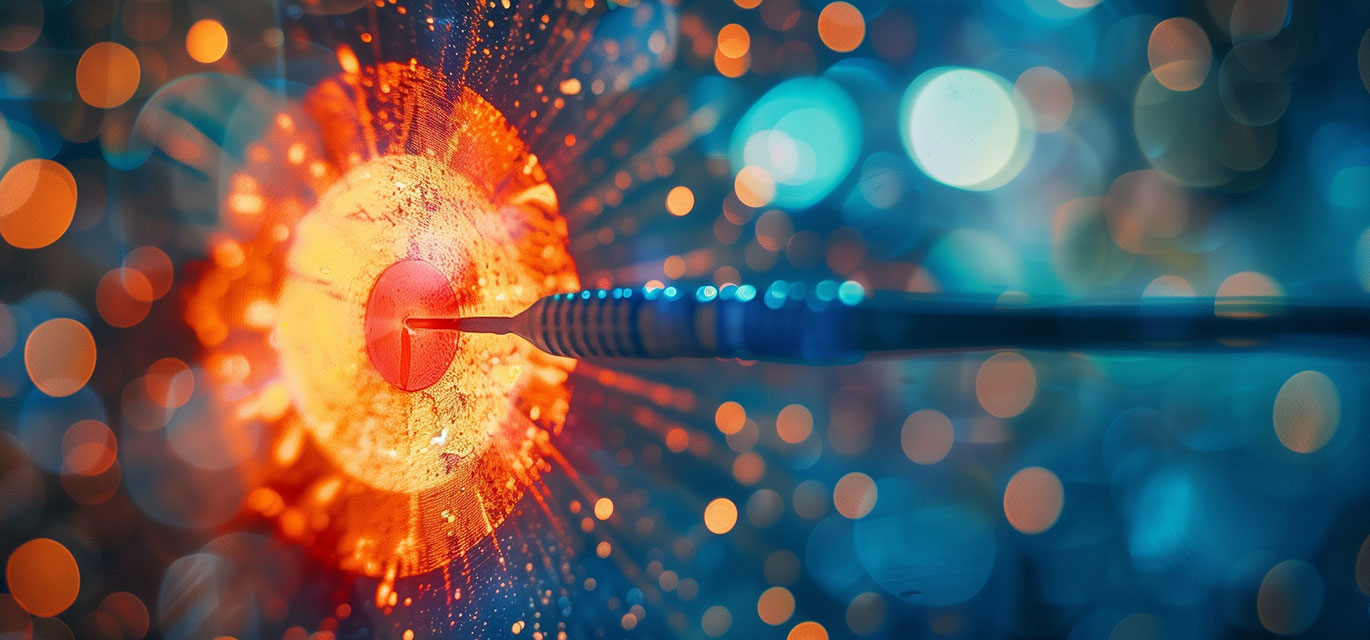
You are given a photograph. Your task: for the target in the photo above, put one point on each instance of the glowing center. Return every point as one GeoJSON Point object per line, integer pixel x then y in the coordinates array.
{"type": "Point", "coordinates": [385, 211]}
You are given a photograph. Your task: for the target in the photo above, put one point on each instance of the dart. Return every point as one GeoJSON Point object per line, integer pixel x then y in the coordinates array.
{"type": "Point", "coordinates": [830, 322]}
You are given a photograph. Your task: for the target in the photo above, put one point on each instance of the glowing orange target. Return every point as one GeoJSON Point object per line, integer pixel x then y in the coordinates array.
{"type": "Point", "coordinates": [393, 474]}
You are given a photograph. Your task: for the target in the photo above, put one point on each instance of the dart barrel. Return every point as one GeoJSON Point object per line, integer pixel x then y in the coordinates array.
{"type": "Point", "coordinates": [732, 322]}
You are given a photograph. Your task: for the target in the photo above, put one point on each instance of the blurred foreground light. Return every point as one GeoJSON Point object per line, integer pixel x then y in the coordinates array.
{"type": "Point", "coordinates": [794, 423]}
{"type": "Point", "coordinates": [733, 41]}
{"type": "Point", "coordinates": [855, 495]}
{"type": "Point", "coordinates": [604, 507]}
{"type": "Point", "coordinates": [716, 621]}
{"type": "Point", "coordinates": [37, 203]}
{"type": "Point", "coordinates": [841, 26]}
{"type": "Point", "coordinates": [804, 135]}
{"type": "Point", "coordinates": [1145, 209]}
{"type": "Point", "coordinates": [866, 613]}
{"type": "Point", "coordinates": [1033, 500]}
{"type": "Point", "coordinates": [206, 41]}
{"type": "Point", "coordinates": [1180, 54]}
{"type": "Point", "coordinates": [808, 630]}
{"type": "Point", "coordinates": [154, 264]}
{"type": "Point", "coordinates": [43, 577]}
{"type": "Point", "coordinates": [754, 187]}
{"type": "Point", "coordinates": [123, 297]}
{"type": "Point", "coordinates": [680, 200]}
{"type": "Point", "coordinates": [966, 128]}
{"type": "Point", "coordinates": [128, 611]}
{"type": "Point", "coordinates": [720, 515]}
{"type": "Point", "coordinates": [1307, 412]}
{"type": "Point", "coordinates": [60, 356]}
{"type": "Point", "coordinates": [1244, 284]}
{"type": "Point", "coordinates": [20, 24]}
{"type": "Point", "coordinates": [1258, 19]}
{"type": "Point", "coordinates": [1290, 597]}
{"type": "Point", "coordinates": [88, 448]}
{"type": "Point", "coordinates": [1050, 96]}
{"type": "Point", "coordinates": [729, 417]}
{"type": "Point", "coordinates": [775, 606]}
{"type": "Point", "coordinates": [107, 75]}
{"type": "Point", "coordinates": [1006, 384]}
{"type": "Point", "coordinates": [927, 436]}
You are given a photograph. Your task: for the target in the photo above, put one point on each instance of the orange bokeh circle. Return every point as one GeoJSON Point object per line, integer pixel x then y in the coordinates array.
{"type": "Point", "coordinates": [107, 75]}
{"type": "Point", "coordinates": [60, 356]}
{"type": "Point", "coordinates": [43, 577]}
{"type": "Point", "coordinates": [123, 297]}
{"type": "Point", "coordinates": [37, 203]}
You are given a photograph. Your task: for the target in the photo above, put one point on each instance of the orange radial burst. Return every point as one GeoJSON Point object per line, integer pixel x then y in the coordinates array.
{"type": "Point", "coordinates": [382, 165]}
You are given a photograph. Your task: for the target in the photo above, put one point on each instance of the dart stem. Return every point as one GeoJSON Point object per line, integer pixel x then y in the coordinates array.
{"type": "Point", "coordinates": [468, 325]}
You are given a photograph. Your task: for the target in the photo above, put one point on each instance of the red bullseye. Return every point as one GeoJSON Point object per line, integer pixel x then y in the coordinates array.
{"type": "Point", "coordinates": [410, 360]}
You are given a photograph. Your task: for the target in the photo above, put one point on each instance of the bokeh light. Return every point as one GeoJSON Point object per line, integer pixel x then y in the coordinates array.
{"type": "Point", "coordinates": [730, 417]}
{"type": "Point", "coordinates": [1290, 597]}
{"type": "Point", "coordinates": [733, 41]}
{"type": "Point", "coordinates": [1244, 284]}
{"type": "Point", "coordinates": [716, 621]}
{"type": "Point", "coordinates": [720, 515]}
{"type": "Point", "coordinates": [206, 41]}
{"type": "Point", "coordinates": [1144, 210]}
{"type": "Point", "coordinates": [808, 630]}
{"type": "Point", "coordinates": [794, 423]}
{"type": "Point", "coordinates": [20, 25]}
{"type": "Point", "coordinates": [854, 495]}
{"type": "Point", "coordinates": [1180, 54]}
{"type": "Point", "coordinates": [59, 356]}
{"type": "Point", "coordinates": [680, 200]}
{"type": "Point", "coordinates": [1050, 96]}
{"type": "Point", "coordinates": [124, 297]}
{"type": "Point", "coordinates": [775, 606]}
{"type": "Point", "coordinates": [1258, 19]}
{"type": "Point", "coordinates": [107, 75]}
{"type": "Point", "coordinates": [89, 448]}
{"type": "Point", "coordinates": [604, 507]}
{"type": "Point", "coordinates": [927, 436]}
{"type": "Point", "coordinates": [803, 136]}
{"type": "Point", "coordinates": [755, 187]}
{"type": "Point", "coordinates": [43, 577]}
{"type": "Point", "coordinates": [170, 383]}
{"type": "Point", "coordinates": [965, 128]}
{"type": "Point", "coordinates": [1006, 384]}
{"type": "Point", "coordinates": [1033, 500]}
{"type": "Point", "coordinates": [37, 203]}
{"type": "Point", "coordinates": [128, 611]}
{"type": "Point", "coordinates": [1307, 412]}
{"type": "Point", "coordinates": [154, 265]}
{"type": "Point", "coordinates": [841, 26]}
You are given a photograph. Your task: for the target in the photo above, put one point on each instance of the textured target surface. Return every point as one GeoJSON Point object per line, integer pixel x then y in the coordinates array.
{"type": "Point", "coordinates": [417, 476]}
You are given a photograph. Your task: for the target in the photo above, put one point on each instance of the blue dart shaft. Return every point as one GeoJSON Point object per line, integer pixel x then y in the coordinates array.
{"type": "Point", "coordinates": [782, 326]}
